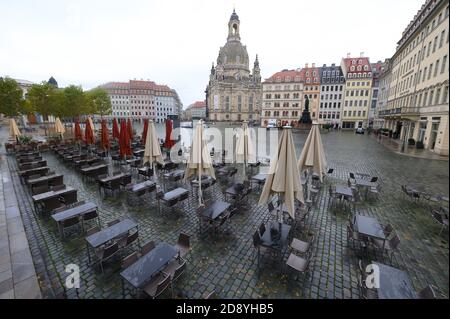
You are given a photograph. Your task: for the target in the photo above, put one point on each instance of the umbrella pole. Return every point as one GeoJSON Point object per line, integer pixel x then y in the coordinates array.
{"type": "Point", "coordinates": [155, 177]}
{"type": "Point", "coordinates": [309, 186]}
{"type": "Point", "coordinates": [200, 185]}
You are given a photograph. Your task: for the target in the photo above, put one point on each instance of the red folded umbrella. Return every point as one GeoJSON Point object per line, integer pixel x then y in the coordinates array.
{"type": "Point", "coordinates": [130, 129]}
{"type": "Point", "coordinates": [169, 142]}
{"type": "Point", "coordinates": [144, 132]}
{"type": "Point", "coordinates": [88, 134]}
{"type": "Point", "coordinates": [78, 134]}
{"type": "Point", "coordinates": [115, 130]}
{"type": "Point", "coordinates": [124, 140]}
{"type": "Point", "coordinates": [105, 138]}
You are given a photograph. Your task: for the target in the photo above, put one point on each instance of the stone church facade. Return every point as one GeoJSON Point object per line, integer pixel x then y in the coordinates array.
{"type": "Point", "coordinates": [233, 92]}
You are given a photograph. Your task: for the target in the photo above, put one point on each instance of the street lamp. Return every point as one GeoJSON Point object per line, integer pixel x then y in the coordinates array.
{"type": "Point", "coordinates": [404, 137]}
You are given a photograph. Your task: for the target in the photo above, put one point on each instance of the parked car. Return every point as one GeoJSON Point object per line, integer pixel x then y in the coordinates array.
{"type": "Point", "coordinates": [359, 130]}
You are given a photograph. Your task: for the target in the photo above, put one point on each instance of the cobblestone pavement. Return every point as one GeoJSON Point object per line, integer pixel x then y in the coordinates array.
{"type": "Point", "coordinates": [227, 264]}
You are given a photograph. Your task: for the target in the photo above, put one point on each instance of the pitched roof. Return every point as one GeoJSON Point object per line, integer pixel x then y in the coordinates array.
{"type": "Point", "coordinates": [357, 65]}
{"type": "Point", "coordinates": [286, 76]}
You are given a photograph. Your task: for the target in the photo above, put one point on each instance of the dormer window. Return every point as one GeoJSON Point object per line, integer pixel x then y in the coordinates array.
{"type": "Point", "coordinates": [359, 61]}
{"type": "Point", "coordinates": [278, 79]}
{"type": "Point", "coordinates": [307, 73]}
{"type": "Point", "coordinates": [354, 62]}
{"type": "Point", "coordinates": [352, 68]}
{"type": "Point", "coordinates": [288, 79]}
{"type": "Point", "coordinates": [308, 80]}
{"type": "Point", "coordinates": [297, 79]}
{"type": "Point", "coordinates": [366, 68]}
{"type": "Point", "coordinates": [359, 68]}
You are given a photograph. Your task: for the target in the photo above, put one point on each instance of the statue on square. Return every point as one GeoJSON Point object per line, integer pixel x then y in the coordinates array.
{"type": "Point", "coordinates": [306, 117]}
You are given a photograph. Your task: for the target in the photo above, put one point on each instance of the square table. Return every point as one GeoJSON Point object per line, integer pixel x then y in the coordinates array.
{"type": "Point", "coordinates": [275, 237]}
{"type": "Point", "coordinates": [72, 212]}
{"type": "Point", "coordinates": [259, 178]}
{"type": "Point", "coordinates": [369, 227]}
{"type": "Point", "coordinates": [46, 180]}
{"type": "Point", "coordinates": [32, 171]}
{"type": "Point", "coordinates": [148, 265]}
{"type": "Point", "coordinates": [44, 196]}
{"type": "Point", "coordinates": [215, 210]}
{"type": "Point", "coordinates": [394, 283]}
{"type": "Point", "coordinates": [140, 189]}
{"type": "Point", "coordinates": [107, 234]}
{"type": "Point", "coordinates": [343, 190]}
{"type": "Point", "coordinates": [176, 193]}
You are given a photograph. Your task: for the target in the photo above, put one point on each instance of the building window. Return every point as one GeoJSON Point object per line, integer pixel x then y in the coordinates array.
{"type": "Point", "coordinates": [444, 64]}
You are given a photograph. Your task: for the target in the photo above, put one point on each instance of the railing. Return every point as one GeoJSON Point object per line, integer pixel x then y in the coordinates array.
{"type": "Point", "coordinates": [411, 110]}
{"type": "Point", "coordinates": [390, 112]}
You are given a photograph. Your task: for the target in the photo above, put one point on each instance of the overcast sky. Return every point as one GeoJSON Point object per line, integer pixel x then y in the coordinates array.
{"type": "Point", "coordinates": [90, 42]}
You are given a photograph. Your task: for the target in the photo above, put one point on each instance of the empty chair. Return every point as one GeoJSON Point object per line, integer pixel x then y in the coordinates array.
{"type": "Point", "coordinates": [299, 264]}
{"type": "Point", "coordinates": [352, 176]}
{"type": "Point", "coordinates": [147, 247]}
{"type": "Point", "coordinates": [58, 187]}
{"type": "Point", "coordinates": [129, 240]}
{"type": "Point", "coordinates": [330, 171]}
{"type": "Point", "coordinates": [262, 229]}
{"type": "Point", "coordinates": [129, 260]}
{"type": "Point", "coordinates": [427, 293]}
{"type": "Point", "coordinates": [390, 246]}
{"type": "Point", "coordinates": [374, 179]}
{"type": "Point", "coordinates": [92, 230]}
{"type": "Point", "coordinates": [211, 295]}
{"type": "Point", "coordinates": [69, 198]}
{"type": "Point", "coordinates": [69, 223]}
{"type": "Point", "coordinates": [125, 180]}
{"type": "Point", "coordinates": [89, 216]}
{"type": "Point", "coordinates": [387, 229]}
{"type": "Point", "coordinates": [175, 268]}
{"type": "Point", "coordinates": [113, 186]}
{"type": "Point", "coordinates": [51, 204]}
{"type": "Point", "coordinates": [59, 209]}
{"type": "Point", "coordinates": [107, 253]}
{"type": "Point", "coordinates": [183, 244]}
{"type": "Point", "coordinates": [365, 292]}
{"type": "Point", "coordinates": [113, 222]}
{"type": "Point", "coordinates": [102, 176]}
{"type": "Point", "coordinates": [300, 246]}
{"type": "Point", "coordinates": [39, 189]}
{"type": "Point", "coordinates": [157, 285]}
{"type": "Point", "coordinates": [441, 219]}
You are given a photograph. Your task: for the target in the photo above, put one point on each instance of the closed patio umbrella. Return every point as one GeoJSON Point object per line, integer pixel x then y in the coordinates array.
{"type": "Point", "coordinates": [283, 176]}
{"type": "Point", "coordinates": [78, 134]}
{"type": "Point", "coordinates": [89, 131]}
{"type": "Point", "coordinates": [144, 131]}
{"type": "Point", "coordinates": [124, 140]}
{"type": "Point", "coordinates": [115, 130]}
{"type": "Point", "coordinates": [105, 138]}
{"type": "Point", "coordinates": [169, 128]}
{"type": "Point", "coordinates": [245, 151]}
{"type": "Point", "coordinates": [130, 129]}
{"type": "Point", "coordinates": [13, 129]}
{"type": "Point", "coordinates": [312, 157]}
{"type": "Point", "coordinates": [152, 152]}
{"type": "Point", "coordinates": [59, 128]}
{"type": "Point", "coordinates": [200, 162]}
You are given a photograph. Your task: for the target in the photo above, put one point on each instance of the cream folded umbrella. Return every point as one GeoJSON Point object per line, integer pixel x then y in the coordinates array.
{"type": "Point", "coordinates": [312, 156]}
{"type": "Point", "coordinates": [282, 178]}
{"type": "Point", "coordinates": [59, 128]}
{"type": "Point", "coordinates": [13, 129]}
{"type": "Point", "coordinates": [245, 151]}
{"type": "Point", "coordinates": [152, 151]}
{"type": "Point", "coordinates": [199, 162]}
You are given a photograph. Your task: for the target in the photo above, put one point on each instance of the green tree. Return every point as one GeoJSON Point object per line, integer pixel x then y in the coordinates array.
{"type": "Point", "coordinates": [99, 102]}
{"type": "Point", "coordinates": [11, 97]}
{"type": "Point", "coordinates": [74, 102]}
{"type": "Point", "coordinates": [42, 99]}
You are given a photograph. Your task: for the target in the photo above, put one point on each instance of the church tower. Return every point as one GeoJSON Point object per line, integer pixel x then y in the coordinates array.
{"type": "Point", "coordinates": [234, 91]}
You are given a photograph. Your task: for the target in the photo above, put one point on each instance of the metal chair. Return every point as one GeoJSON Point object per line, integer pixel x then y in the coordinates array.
{"type": "Point", "coordinates": [147, 247]}
{"type": "Point", "coordinates": [107, 253]}
{"type": "Point", "coordinates": [90, 216]}
{"type": "Point", "coordinates": [299, 264]}
{"type": "Point", "coordinates": [113, 222]}
{"type": "Point", "coordinates": [157, 285]}
{"type": "Point", "coordinates": [129, 260]}
{"type": "Point", "coordinates": [39, 189]}
{"type": "Point", "coordinates": [92, 230]}
{"type": "Point", "coordinates": [427, 293]}
{"type": "Point", "coordinates": [69, 223]}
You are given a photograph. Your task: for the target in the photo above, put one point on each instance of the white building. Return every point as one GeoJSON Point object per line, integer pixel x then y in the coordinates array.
{"type": "Point", "coordinates": [142, 99]}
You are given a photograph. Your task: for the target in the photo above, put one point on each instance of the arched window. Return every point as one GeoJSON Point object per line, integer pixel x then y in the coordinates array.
{"type": "Point", "coordinates": [352, 68]}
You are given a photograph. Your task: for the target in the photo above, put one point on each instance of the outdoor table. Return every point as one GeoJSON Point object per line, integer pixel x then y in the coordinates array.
{"type": "Point", "coordinates": [84, 161]}
{"type": "Point", "coordinates": [34, 164]}
{"type": "Point", "coordinates": [233, 191]}
{"type": "Point", "coordinates": [29, 159]}
{"type": "Point", "coordinates": [105, 235]}
{"type": "Point", "coordinates": [227, 170]}
{"type": "Point", "coordinates": [176, 193]}
{"type": "Point", "coordinates": [150, 264]}
{"type": "Point", "coordinates": [365, 183]}
{"type": "Point", "coordinates": [259, 178]}
{"type": "Point", "coordinates": [72, 212]}
{"type": "Point", "coordinates": [98, 169]}
{"type": "Point", "coordinates": [275, 237]}
{"type": "Point", "coordinates": [132, 161]}
{"type": "Point", "coordinates": [38, 170]}
{"type": "Point", "coordinates": [43, 197]}
{"type": "Point", "coordinates": [145, 171]}
{"type": "Point", "coordinates": [174, 174]}
{"type": "Point", "coordinates": [394, 283]}
{"type": "Point", "coordinates": [215, 210]}
{"type": "Point", "coordinates": [140, 189]}
{"type": "Point", "coordinates": [207, 181]}
{"type": "Point", "coordinates": [369, 227]}
{"type": "Point", "coordinates": [46, 180]}
{"type": "Point", "coordinates": [363, 175]}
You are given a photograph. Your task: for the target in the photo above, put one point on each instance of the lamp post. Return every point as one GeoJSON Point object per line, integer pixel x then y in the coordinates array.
{"type": "Point", "coordinates": [404, 137]}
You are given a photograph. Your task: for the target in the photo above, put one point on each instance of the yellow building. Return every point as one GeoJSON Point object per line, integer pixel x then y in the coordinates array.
{"type": "Point", "coordinates": [358, 92]}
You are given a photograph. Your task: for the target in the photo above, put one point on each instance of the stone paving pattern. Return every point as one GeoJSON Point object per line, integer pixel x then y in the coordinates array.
{"type": "Point", "coordinates": [227, 263]}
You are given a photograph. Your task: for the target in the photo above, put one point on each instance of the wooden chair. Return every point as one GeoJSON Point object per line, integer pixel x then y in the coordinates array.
{"type": "Point", "coordinates": [113, 222]}
{"type": "Point", "coordinates": [107, 253]}
{"type": "Point", "coordinates": [147, 247]}
{"type": "Point", "coordinates": [427, 293]}
{"type": "Point", "coordinates": [69, 223]}
{"type": "Point", "coordinates": [129, 260]}
{"type": "Point", "coordinates": [157, 285]}
{"type": "Point", "coordinates": [299, 264]}
{"type": "Point", "coordinates": [92, 230]}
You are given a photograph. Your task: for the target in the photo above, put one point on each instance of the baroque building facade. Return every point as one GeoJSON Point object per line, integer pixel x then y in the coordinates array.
{"type": "Point", "coordinates": [332, 83]}
{"type": "Point", "coordinates": [282, 98]}
{"type": "Point", "coordinates": [233, 92]}
{"type": "Point", "coordinates": [418, 98]}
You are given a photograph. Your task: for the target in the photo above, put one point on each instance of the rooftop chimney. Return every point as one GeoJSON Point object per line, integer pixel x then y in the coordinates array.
{"type": "Point", "coordinates": [313, 65]}
{"type": "Point", "coordinates": [324, 66]}
{"type": "Point", "coordinates": [333, 64]}
{"type": "Point", "coordinates": [361, 54]}
{"type": "Point", "coordinates": [348, 55]}
{"type": "Point", "coordinates": [306, 65]}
